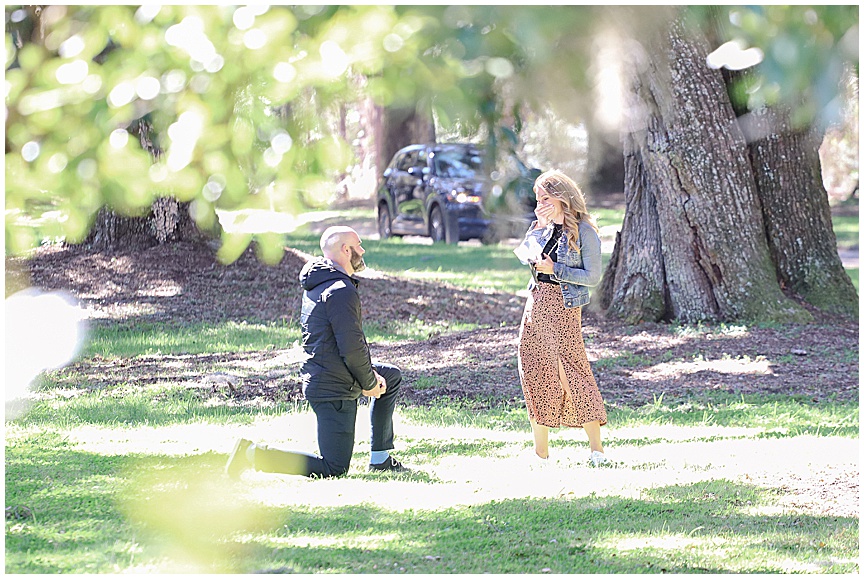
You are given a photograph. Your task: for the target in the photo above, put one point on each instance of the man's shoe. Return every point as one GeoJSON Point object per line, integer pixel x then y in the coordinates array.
{"type": "Point", "coordinates": [238, 462]}
{"type": "Point", "coordinates": [597, 459]}
{"type": "Point", "coordinates": [390, 464]}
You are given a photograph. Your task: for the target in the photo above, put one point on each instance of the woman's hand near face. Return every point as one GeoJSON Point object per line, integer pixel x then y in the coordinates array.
{"type": "Point", "coordinates": [544, 211]}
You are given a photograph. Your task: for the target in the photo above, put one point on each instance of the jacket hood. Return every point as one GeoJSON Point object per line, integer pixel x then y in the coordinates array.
{"type": "Point", "coordinates": [320, 270]}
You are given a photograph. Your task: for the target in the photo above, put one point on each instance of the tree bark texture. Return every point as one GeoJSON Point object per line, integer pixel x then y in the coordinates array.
{"type": "Point", "coordinates": [167, 221]}
{"type": "Point", "coordinates": [113, 231]}
{"type": "Point", "coordinates": [786, 167]}
{"type": "Point", "coordinates": [401, 127]}
{"type": "Point", "coordinates": [713, 254]}
{"type": "Point", "coordinates": [634, 287]}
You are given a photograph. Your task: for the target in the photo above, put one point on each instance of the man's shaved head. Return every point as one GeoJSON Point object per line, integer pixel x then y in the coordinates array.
{"type": "Point", "coordinates": [341, 244]}
{"type": "Point", "coordinates": [333, 238]}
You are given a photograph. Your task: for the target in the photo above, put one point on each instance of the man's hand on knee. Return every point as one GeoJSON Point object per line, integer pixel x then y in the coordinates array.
{"type": "Point", "coordinates": [380, 387]}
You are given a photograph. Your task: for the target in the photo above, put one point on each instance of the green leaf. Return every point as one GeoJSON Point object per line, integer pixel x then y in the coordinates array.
{"type": "Point", "coordinates": [233, 246]}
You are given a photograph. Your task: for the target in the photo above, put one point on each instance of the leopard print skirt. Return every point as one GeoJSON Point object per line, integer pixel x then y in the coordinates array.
{"type": "Point", "coordinates": [549, 333]}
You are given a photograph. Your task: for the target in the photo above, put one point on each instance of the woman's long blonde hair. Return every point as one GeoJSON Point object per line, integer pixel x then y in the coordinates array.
{"type": "Point", "coordinates": [565, 189]}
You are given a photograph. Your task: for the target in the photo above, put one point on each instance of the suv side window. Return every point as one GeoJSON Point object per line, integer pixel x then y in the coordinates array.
{"type": "Point", "coordinates": [419, 162]}
{"type": "Point", "coordinates": [406, 161]}
{"type": "Point", "coordinates": [412, 162]}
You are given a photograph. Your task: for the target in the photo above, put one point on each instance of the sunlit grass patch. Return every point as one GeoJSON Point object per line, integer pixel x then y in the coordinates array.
{"type": "Point", "coordinates": [125, 340]}
{"type": "Point", "coordinates": [846, 230]}
{"type": "Point", "coordinates": [692, 528]}
{"type": "Point", "coordinates": [454, 413]}
{"type": "Point", "coordinates": [853, 275]}
{"type": "Point", "coordinates": [627, 360]}
{"type": "Point", "coordinates": [70, 496]}
{"type": "Point", "coordinates": [426, 382]}
{"type": "Point", "coordinates": [510, 280]}
{"type": "Point", "coordinates": [608, 216]}
{"type": "Point", "coordinates": [777, 415]}
{"type": "Point", "coordinates": [427, 450]}
{"type": "Point", "coordinates": [149, 339]}
{"type": "Point", "coordinates": [719, 533]}
{"type": "Point", "coordinates": [470, 497]}
{"type": "Point", "coordinates": [158, 405]}
{"type": "Point", "coordinates": [782, 414]}
{"type": "Point", "coordinates": [492, 267]}
{"type": "Point", "coordinates": [57, 403]}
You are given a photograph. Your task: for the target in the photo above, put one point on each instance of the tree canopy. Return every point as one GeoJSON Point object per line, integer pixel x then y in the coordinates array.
{"type": "Point", "coordinates": [210, 80]}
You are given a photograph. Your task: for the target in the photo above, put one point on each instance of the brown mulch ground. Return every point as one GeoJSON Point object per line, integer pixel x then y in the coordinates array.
{"type": "Point", "coordinates": [183, 283]}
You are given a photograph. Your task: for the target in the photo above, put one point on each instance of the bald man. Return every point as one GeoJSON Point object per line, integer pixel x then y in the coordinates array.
{"type": "Point", "coordinates": [338, 370]}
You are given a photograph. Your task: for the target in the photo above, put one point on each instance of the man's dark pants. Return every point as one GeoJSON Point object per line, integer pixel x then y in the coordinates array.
{"type": "Point", "coordinates": [336, 422]}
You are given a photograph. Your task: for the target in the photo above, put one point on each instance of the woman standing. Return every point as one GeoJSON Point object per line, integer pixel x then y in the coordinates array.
{"type": "Point", "coordinates": [563, 249]}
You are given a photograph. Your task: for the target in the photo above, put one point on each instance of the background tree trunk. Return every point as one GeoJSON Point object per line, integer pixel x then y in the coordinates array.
{"type": "Point", "coordinates": [606, 164]}
{"type": "Point", "coordinates": [713, 251]}
{"type": "Point", "coordinates": [167, 221]}
{"type": "Point", "coordinates": [399, 127]}
{"type": "Point", "coordinates": [113, 231]}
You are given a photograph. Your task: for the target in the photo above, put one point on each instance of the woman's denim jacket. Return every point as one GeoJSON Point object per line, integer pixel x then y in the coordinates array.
{"type": "Point", "coordinates": [575, 271]}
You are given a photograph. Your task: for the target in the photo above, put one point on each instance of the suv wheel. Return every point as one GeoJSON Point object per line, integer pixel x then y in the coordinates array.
{"type": "Point", "coordinates": [385, 224]}
{"type": "Point", "coordinates": [437, 226]}
{"type": "Point", "coordinates": [440, 229]}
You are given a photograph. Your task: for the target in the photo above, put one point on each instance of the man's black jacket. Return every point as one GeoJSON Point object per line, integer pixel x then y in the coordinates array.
{"type": "Point", "coordinates": [338, 365]}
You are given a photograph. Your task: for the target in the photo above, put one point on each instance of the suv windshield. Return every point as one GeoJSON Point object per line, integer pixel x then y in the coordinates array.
{"type": "Point", "coordinates": [454, 163]}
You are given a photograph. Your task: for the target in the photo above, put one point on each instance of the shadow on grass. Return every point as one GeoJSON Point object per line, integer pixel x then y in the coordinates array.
{"type": "Point", "coordinates": [89, 513]}
{"type": "Point", "coordinates": [702, 528]}
{"type": "Point", "coordinates": [97, 514]}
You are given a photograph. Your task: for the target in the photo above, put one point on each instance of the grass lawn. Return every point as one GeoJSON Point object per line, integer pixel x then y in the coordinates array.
{"type": "Point", "coordinates": [139, 489]}
{"type": "Point", "coordinates": [846, 229]}
{"type": "Point", "coordinates": [116, 477]}
{"type": "Point", "coordinates": [471, 266]}
{"type": "Point", "coordinates": [493, 266]}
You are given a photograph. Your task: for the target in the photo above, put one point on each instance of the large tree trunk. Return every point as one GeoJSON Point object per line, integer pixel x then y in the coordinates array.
{"type": "Point", "coordinates": [634, 286]}
{"type": "Point", "coordinates": [689, 155]}
{"type": "Point", "coordinates": [786, 167]}
{"type": "Point", "coordinates": [398, 127]}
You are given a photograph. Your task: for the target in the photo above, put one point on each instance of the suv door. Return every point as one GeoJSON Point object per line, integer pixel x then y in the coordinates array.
{"type": "Point", "coordinates": [406, 184]}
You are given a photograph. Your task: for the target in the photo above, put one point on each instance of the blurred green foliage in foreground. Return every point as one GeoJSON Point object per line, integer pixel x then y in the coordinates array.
{"type": "Point", "coordinates": [243, 103]}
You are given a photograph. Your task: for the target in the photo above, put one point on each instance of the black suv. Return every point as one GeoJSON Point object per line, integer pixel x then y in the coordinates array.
{"type": "Point", "coordinates": [435, 190]}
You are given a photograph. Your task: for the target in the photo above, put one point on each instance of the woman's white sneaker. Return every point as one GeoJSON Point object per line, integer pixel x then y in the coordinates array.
{"type": "Point", "coordinates": [597, 459]}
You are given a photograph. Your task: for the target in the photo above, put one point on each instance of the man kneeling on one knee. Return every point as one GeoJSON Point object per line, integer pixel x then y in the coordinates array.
{"type": "Point", "coordinates": [338, 370]}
